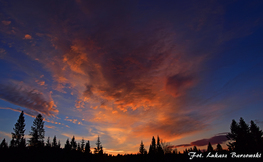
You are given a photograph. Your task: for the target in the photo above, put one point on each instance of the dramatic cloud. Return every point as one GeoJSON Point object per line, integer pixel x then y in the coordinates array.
{"type": "Point", "coordinates": [28, 98]}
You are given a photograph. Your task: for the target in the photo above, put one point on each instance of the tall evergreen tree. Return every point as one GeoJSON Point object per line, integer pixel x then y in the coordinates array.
{"type": "Point", "coordinates": [54, 143]}
{"type": "Point", "coordinates": [209, 148]}
{"type": "Point", "coordinates": [12, 143]}
{"type": "Point", "coordinates": [78, 147]}
{"type": "Point", "coordinates": [219, 147]}
{"type": "Point", "coordinates": [48, 142]}
{"type": "Point", "coordinates": [142, 149]}
{"type": "Point", "coordinates": [67, 145]}
{"type": "Point", "coordinates": [82, 146]}
{"type": "Point", "coordinates": [256, 137]}
{"type": "Point", "coordinates": [19, 130]}
{"type": "Point", "coordinates": [244, 138]}
{"type": "Point", "coordinates": [87, 148]}
{"type": "Point", "coordinates": [73, 143]}
{"type": "Point", "coordinates": [59, 144]}
{"type": "Point", "coordinates": [159, 147]}
{"type": "Point", "coordinates": [3, 144]}
{"type": "Point", "coordinates": [152, 149]}
{"type": "Point", "coordinates": [37, 132]}
{"type": "Point", "coordinates": [99, 148]}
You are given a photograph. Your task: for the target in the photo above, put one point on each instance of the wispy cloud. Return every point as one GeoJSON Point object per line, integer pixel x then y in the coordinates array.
{"type": "Point", "coordinates": [31, 99]}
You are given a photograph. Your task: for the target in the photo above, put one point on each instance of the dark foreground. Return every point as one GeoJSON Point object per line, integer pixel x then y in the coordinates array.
{"type": "Point", "coordinates": [43, 155]}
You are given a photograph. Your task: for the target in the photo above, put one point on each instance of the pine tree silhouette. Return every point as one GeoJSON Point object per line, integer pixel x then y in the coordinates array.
{"type": "Point", "coordinates": [19, 130]}
{"type": "Point", "coordinates": [152, 149]}
{"type": "Point", "coordinates": [219, 147]}
{"type": "Point", "coordinates": [244, 138]}
{"type": "Point", "coordinates": [209, 148]}
{"type": "Point", "coordinates": [82, 145]}
{"type": "Point", "coordinates": [48, 142]}
{"type": "Point", "coordinates": [99, 148]}
{"type": "Point", "coordinates": [38, 132]}
{"type": "Point", "coordinates": [142, 149]}
{"type": "Point", "coordinates": [58, 144]}
{"type": "Point", "coordinates": [87, 148]}
{"type": "Point", "coordinates": [159, 147]}
{"type": "Point", "coordinates": [73, 143]}
{"type": "Point", "coordinates": [67, 145]}
{"type": "Point", "coordinates": [54, 143]}
{"type": "Point", "coordinates": [3, 144]}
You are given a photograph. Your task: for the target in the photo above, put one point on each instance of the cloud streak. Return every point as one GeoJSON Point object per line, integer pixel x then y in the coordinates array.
{"type": "Point", "coordinates": [28, 98]}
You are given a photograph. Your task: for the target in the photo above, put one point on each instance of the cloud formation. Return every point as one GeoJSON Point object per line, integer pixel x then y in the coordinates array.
{"type": "Point", "coordinates": [31, 99]}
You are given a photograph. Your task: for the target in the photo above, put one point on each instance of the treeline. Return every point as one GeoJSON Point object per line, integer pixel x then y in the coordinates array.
{"type": "Point", "coordinates": [242, 139]}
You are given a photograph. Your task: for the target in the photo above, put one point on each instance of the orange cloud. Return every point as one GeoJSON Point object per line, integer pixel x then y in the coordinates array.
{"type": "Point", "coordinates": [27, 36]}
{"type": "Point", "coordinates": [50, 127]}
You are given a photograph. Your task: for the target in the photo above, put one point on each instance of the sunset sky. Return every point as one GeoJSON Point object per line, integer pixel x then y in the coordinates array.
{"type": "Point", "coordinates": [129, 70]}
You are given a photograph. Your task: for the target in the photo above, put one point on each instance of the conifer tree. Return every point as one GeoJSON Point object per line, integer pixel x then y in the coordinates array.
{"type": "Point", "coordinates": [159, 147]}
{"type": "Point", "coordinates": [79, 147]}
{"type": "Point", "coordinates": [219, 147]}
{"type": "Point", "coordinates": [244, 138]}
{"type": "Point", "coordinates": [82, 145]}
{"type": "Point", "coordinates": [3, 144]}
{"type": "Point", "coordinates": [256, 137]}
{"type": "Point", "coordinates": [67, 145]}
{"type": "Point", "coordinates": [54, 143]}
{"type": "Point", "coordinates": [209, 148]}
{"type": "Point", "coordinates": [59, 144]}
{"type": "Point", "coordinates": [37, 132]}
{"type": "Point", "coordinates": [152, 149]}
{"type": "Point", "coordinates": [87, 148]}
{"type": "Point", "coordinates": [195, 149]}
{"type": "Point", "coordinates": [73, 143]}
{"type": "Point", "coordinates": [99, 148]}
{"type": "Point", "coordinates": [48, 142]}
{"type": "Point", "coordinates": [12, 143]}
{"type": "Point", "coordinates": [142, 149]}
{"type": "Point", "coordinates": [19, 130]}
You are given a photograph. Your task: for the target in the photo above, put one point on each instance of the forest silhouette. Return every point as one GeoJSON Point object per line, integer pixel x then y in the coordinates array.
{"type": "Point", "coordinates": [244, 141]}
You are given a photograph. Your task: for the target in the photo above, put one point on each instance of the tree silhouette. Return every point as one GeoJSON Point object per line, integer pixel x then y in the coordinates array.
{"type": "Point", "coordinates": [67, 145]}
{"type": "Point", "coordinates": [82, 145]}
{"type": "Point", "coordinates": [209, 148]}
{"type": "Point", "coordinates": [142, 149]}
{"type": "Point", "coordinates": [48, 142]}
{"type": "Point", "coordinates": [152, 149]}
{"type": "Point", "coordinates": [87, 148]}
{"type": "Point", "coordinates": [73, 143]}
{"type": "Point", "coordinates": [59, 144]}
{"type": "Point", "coordinates": [195, 149]}
{"type": "Point", "coordinates": [3, 144]}
{"type": "Point", "coordinates": [37, 132]}
{"type": "Point", "coordinates": [98, 149]}
{"type": "Point", "coordinates": [244, 138]}
{"type": "Point", "coordinates": [19, 130]}
{"type": "Point", "coordinates": [12, 143]}
{"type": "Point", "coordinates": [159, 147]}
{"type": "Point", "coordinates": [256, 135]}
{"type": "Point", "coordinates": [219, 147]}
{"type": "Point", "coordinates": [78, 147]}
{"type": "Point", "coordinates": [54, 143]}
